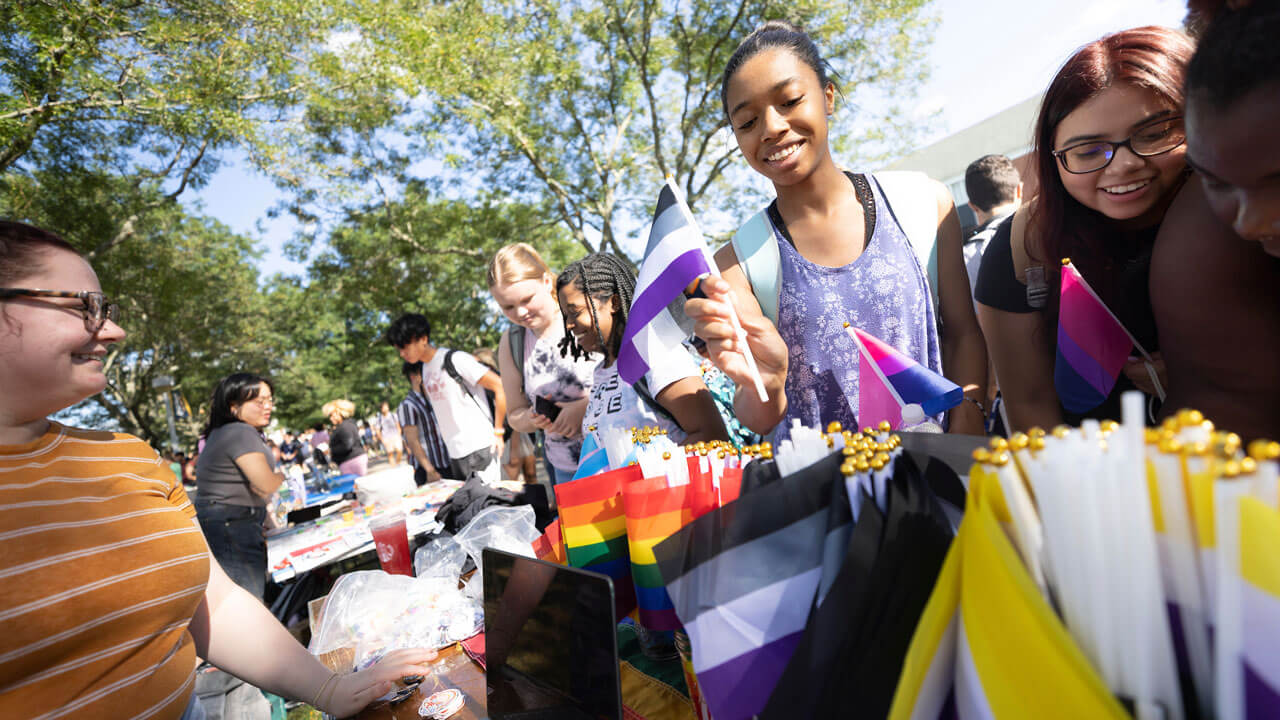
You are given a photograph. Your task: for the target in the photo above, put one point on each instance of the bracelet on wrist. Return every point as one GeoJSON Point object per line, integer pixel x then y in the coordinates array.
{"type": "Point", "coordinates": [320, 693]}
{"type": "Point", "coordinates": [332, 689]}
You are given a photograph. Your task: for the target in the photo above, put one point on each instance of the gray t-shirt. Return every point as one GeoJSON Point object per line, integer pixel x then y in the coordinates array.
{"type": "Point", "coordinates": [218, 478]}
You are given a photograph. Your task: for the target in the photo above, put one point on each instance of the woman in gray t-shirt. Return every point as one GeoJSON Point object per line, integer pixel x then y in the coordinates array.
{"type": "Point", "coordinates": [235, 476]}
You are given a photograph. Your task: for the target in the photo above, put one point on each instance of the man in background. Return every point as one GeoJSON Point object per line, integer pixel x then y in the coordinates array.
{"type": "Point", "coordinates": [426, 449]}
{"type": "Point", "coordinates": [995, 191]}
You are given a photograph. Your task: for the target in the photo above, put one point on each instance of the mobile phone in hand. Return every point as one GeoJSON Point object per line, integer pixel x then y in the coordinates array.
{"type": "Point", "coordinates": [546, 408]}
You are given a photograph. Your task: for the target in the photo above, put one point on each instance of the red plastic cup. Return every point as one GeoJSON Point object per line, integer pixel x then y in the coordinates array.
{"type": "Point", "coordinates": [391, 537]}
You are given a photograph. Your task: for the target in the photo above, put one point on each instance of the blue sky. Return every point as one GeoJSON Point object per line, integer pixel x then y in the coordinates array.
{"type": "Point", "coordinates": [987, 55]}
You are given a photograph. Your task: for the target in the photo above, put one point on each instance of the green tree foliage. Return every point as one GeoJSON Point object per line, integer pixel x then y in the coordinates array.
{"type": "Point", "coordinates": [586, 106]}
{"type": "Point", "coordinates": [187, 287]}
{"type": "Point", "coordinates": [417, 254]}
{"type": "Point", "coordinates": [112, 109]}
{"type": "Point", "coordinates": [554, 123]}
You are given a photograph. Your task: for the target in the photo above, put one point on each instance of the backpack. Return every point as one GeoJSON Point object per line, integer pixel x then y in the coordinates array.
{"type": "Point", "coordinates": [515, 341]}
{"type": "Point", "coordinates": [910, 199]}
{"type": "Point", "coordinates": [466, 389]}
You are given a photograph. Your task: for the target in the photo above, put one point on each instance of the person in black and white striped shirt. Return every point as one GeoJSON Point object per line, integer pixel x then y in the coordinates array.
{"type": "Point", "coordinates": [422, 441]}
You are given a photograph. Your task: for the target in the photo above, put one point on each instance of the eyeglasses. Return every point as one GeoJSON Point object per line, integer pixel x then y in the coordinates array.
{"type": "Point", "coordinates": [97, 310]}
{"type": "Point", "coordinates": [261, 401]}
{"type": "Point", "coordinates": [1150, 140]}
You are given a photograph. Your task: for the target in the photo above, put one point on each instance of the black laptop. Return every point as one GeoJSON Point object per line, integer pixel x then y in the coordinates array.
{"type": "Point", "coordinates": [551, 645]}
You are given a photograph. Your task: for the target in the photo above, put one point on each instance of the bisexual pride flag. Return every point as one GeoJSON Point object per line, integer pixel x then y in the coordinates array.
{"type": "Point", "coordinates": [1092, 345]}
{"type": "Point", "coordinates": [889, 382]}
{"type": "Point", "coordinates": [675, 256]}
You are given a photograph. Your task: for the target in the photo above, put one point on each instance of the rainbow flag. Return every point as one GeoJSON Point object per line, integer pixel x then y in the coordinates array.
{"type": "Point", "coordinates": [889, 381]}
{"type": "Point", "coordinates": [594, 528]}
{"type": "Point", "coordinates": [1092, 345]}
{"type": "Point", "coordinates": [654, 512]}
{"type": "Point", "coordinates": [550, 546]}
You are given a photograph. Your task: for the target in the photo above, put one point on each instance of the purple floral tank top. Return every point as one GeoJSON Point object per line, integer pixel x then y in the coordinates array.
{"type": "Point", "coordinates": [884, 292]}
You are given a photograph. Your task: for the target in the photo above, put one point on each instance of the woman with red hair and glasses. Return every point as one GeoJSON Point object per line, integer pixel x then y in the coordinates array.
{"type": "Point", "coordinates": [1110, 157]}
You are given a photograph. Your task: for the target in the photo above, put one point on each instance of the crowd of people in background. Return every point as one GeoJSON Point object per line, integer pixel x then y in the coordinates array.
{"type": "Point", "coordinates": [1157, 168]}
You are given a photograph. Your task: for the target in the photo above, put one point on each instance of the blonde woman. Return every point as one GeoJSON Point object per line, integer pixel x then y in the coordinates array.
{"type": "Point", "coordinates": [546, 390]}
{"type": "Point", "coordinates": [345, 447]}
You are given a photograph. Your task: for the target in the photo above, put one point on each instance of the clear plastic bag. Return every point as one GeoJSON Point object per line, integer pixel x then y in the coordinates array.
{"type": "Point", "coordinates": [502, 527]}
{"type": "Point", "coordinates": [373, 613]}
{"type": "Point", "coordinates": [443, 557]}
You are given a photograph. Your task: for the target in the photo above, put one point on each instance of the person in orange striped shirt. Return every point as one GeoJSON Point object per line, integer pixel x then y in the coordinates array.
{"type": "Point", "coordinates": [108, 592]}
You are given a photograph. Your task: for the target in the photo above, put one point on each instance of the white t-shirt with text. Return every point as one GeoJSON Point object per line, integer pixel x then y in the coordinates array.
{"type": "Point", "coordinates": [615, 404]}
{"type": "Point", "coordinates": [464, 426]}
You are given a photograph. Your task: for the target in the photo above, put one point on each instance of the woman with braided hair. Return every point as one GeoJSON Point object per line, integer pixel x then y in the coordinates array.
{"type": "Point", "coordinates": [595, 294]}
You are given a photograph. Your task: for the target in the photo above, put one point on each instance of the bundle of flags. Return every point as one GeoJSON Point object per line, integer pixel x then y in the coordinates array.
{"type": "Point", "coordinates": [613, 513]}
{"type": "Point", "coordinates": [894, 388]}
{"type": "Point", "coordinates": [798, 595]}
{"type": "Point", "coordinates": [1093, 345]}
{"type": "Point", "coordinates": [1035, 614]}
{"type": "Point", "coordinates": [594, 529]}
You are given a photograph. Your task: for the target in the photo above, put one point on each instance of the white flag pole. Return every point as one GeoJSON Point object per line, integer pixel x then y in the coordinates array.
{"type": "Point", "coordinates": [740, 333]}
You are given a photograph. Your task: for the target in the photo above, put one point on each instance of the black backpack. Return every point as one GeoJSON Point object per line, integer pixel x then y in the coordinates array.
{"type": "Point", "coordinates": [466, 389]}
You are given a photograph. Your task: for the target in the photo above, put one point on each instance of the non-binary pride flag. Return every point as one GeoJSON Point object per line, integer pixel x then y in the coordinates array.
{"type": "Point", "coordinates": [675, 256]}
{"type": "Point", "coordinates": [889, 381]}
{"type": "Point", "coordinates": [1092, 345]}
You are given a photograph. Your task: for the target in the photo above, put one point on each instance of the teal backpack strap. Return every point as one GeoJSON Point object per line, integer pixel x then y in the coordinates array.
{"type": "Point", "coordinates": [757, 254]}
{"type": "Point", "coordinates": [913, 200]}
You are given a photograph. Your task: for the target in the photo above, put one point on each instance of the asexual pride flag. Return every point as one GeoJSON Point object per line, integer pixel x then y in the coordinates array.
{"type": "Point", "coordinates": [675, 256]}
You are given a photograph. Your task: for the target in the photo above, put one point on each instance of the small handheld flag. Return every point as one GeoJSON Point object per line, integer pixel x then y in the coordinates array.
{"type": "Point", "coordinates": [676, 255]}
{"type": "Point", "coordinates": [592, 458]}
{"type": "Point", "coordinates": [893, 387]}
{"type": "Point", "coordinates": [1092, 346]}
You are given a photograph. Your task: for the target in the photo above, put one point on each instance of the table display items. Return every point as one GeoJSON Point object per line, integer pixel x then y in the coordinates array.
{"type": "Point", "coordinates": [391, 539]}
{"type": "Point", "coordinates": [371, 613]}
{"type": "Point", "coordinates": [1108, 571]}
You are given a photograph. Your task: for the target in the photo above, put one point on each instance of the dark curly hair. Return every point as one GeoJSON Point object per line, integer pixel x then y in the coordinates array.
{"type": "Point", "coordinates": [1238, 53]}
{"type": "Point", "coordinates": [407, 328]}
{"type": "Point", "coordinates": [599, 276]}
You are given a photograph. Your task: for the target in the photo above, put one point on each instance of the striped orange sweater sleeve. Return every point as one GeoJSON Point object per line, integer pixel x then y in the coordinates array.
{"type": "Point", "coordinates": [101, 570]}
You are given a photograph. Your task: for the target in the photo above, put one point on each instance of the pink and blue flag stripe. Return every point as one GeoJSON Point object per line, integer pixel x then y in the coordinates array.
{"type": "Point", "coordinates": [675, 256]}
{"type": "Point", "coordinates": [1092, 346]}
{"type": "Point", "coordinates": [887, 376]}
{"type": "Point", "coordinates": [592, 459]}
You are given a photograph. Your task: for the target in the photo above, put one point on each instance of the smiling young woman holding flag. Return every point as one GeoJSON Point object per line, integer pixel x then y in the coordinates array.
{"type": "Point", "coordinates": [835, 247]}
{"type": "Point", "coordinates": [1110, 157]}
